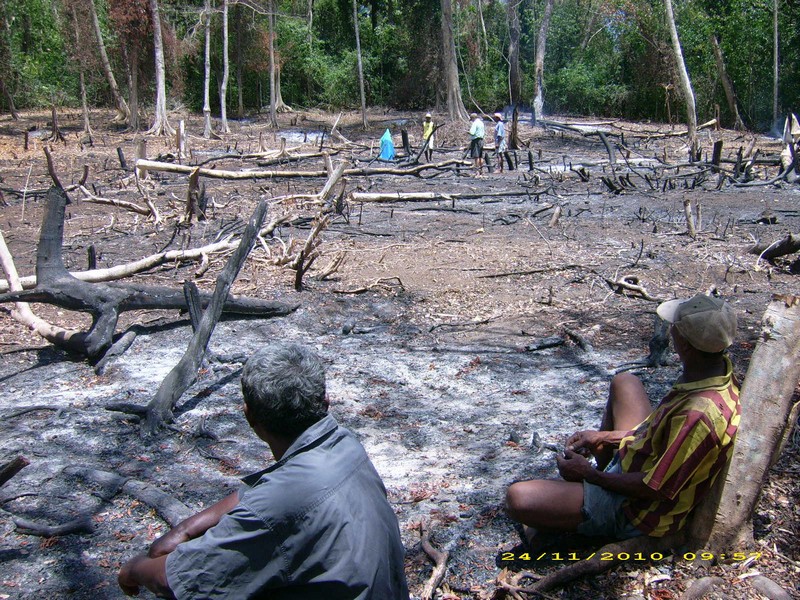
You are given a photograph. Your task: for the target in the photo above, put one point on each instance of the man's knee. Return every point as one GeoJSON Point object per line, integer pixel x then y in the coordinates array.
{"type": "Point", "coordinates": [515, 497]}
{"type": "Point", "coordinates": [621, 382]}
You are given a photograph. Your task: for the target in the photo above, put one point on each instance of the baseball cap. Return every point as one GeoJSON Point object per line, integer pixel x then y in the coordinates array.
{"type": "Point", "coordinates": [707, 323]}
{"type": "Point", "coordinates": [427, 115]}
{"type": "Point", "coordinates": [498, 116]}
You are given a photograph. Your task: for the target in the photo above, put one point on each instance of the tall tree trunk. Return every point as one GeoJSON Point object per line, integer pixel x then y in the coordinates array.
{"type": "Point", "coordinates": [239, 65]}
{"type": "Point", "coordinates": [514, 74]}
{"type": "Point", "coordinates": [775, 67]}
{"type": "Point", "coordinates": [280, 105]}
{"type": "Point", "coordinates": [130, 55]}
{"type": "Point", "coordinates": [538, 68]}
{"type": "Point", "coordinates": [5, 61]}
{"type": "Point", "coordinates": [593, 14]}
{"type": "Point", "coordinates": [727, 84]}
{"type": "Point", "coordinates": [455, 105]}
{"type": "Point", "coordinates": [310, 21]}
{"type": "Point", "coordinates": [685, 82]}
{"type": "Point", "coordinates": [123, 112]}
{"type": "Point", "coordinates": [223, 86]}
{"type": "Point", "coordinates": [207, 73]}
{"type": "Point", "coordinates": [9, 99]}
{"type": "Point", "coordinates": [360, 66]}
{"type": "Point", "coordinates": [273, 109]}
{"type": "Point", "coordinates": [485, 56]}
{"type": "Point", "coordinates": [161, 124]}
{"type": "Point", "coordinates": [725, 522]}
{"type": "Point", "coordinates": [87, 127]}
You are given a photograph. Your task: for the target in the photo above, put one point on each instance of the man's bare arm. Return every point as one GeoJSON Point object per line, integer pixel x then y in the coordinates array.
{"type": "Point", "coordinates": [574, 467]}
{"type": "Point", "coordinates": [193, 527]}
{"type": "Point", "coordinates": [142, 571]}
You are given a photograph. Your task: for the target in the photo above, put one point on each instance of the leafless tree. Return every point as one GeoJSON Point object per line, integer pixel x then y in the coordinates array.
{"type": "Point", "coordinates": [223, 86]}
{"type": "Point", "coordinates": [360, 66]}
{"type": "Point", "coordinates": [123, 112]}
{"type": "Point", "coordinates": [455, 105]}
{"type": "Point", "coordinates": [161, 124]}
{"type": "Point", "coordinates": [538, 69]}
{"type": "Point", "coordinates": [685, 82]}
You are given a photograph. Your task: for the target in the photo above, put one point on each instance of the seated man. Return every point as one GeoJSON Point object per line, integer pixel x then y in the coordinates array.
{"type": "Point", "coordinates": [316, 524]}
{"type": "Point", "coordinates": [653, 465]}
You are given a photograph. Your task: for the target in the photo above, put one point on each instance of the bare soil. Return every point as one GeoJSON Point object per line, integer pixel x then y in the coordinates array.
{"type": "Point", "coordinates": [465, 338]}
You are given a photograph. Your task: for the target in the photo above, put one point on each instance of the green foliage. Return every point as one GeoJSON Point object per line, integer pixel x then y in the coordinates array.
{"type": "Point", "coordinates": [605, 57]}
{"type": "Point", "coordinates": [38, 55]}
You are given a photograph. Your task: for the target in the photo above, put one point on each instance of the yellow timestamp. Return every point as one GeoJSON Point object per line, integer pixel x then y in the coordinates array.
{"type": "Point", "coordinates": [628, 556]}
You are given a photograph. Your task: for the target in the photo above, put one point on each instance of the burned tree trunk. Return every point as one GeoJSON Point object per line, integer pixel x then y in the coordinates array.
{"type": "Point", "coordinates": [55, 285]}
{"type": "Point", "coordinates": [185, 372]}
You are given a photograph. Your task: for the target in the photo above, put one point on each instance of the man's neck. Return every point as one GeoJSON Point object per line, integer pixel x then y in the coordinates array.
{"type": "Point", "coordinates": [697, 371]}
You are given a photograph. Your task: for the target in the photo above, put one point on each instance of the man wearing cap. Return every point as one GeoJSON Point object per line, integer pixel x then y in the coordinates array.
{"type": "Point", "coordinates": [653, 465]}
{"type": "Point", "coordinates": [476, 133]}
{"type": "Point", "coordinates": [427, 136]}
{"type": "Point", "coordinates": [499, 139]}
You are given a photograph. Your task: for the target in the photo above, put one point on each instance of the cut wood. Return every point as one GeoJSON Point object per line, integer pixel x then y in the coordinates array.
{"type": "Point", "coordinates": [788, 245]}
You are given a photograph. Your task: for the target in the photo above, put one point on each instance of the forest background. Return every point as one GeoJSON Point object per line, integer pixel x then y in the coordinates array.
{"type": "Point", "coordinates": [604, 57]}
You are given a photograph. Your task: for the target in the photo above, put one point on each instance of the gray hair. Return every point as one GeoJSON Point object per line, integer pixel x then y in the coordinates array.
{"type": "Point", "coordinates": [284, 389]}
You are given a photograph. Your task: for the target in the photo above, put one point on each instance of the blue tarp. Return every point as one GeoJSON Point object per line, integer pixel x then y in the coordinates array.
{"type": "Point", "coordinates": [387, 147]}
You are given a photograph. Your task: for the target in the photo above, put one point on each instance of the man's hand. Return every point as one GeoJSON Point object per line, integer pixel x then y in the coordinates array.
{"type": "Point", "coordinates": [585, 442]}
{"type": "Point", "coordinates": [128, 584]}
{"type": "Point", "coordinates": [573, 466]}
{"type": "Point", "coordinates": [148, 572]}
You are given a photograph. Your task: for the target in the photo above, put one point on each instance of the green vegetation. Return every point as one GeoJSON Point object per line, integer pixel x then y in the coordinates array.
{"type": "Point", "coordinates": [604, 57]}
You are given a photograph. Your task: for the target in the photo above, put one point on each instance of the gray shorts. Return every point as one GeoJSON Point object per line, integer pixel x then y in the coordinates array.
{"type": "Point", "coordinates": [602, 510]}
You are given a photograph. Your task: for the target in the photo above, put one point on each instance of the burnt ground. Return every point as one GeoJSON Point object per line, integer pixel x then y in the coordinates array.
{"type": "Point", "coordinates": [465, 338]}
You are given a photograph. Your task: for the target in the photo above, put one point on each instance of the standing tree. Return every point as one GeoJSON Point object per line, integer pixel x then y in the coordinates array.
{"type": "Point", "coordinates": [78, 56]}
{"type": "Point", "coordinates": [685, 82]}
{"type": "Point", "coordinates": [514, 73]}
{"type": "Point", "coordinates": [207, 71]}
{"type": "Point", "coordinates": [538, 68]}
{"type": "Point", "coordinates": [223, 86]}
{"type": "Point", "coordinates": [775, 64]}
{"type": "Point", "coordinates": [455, 105]}
{"type": "Point", "coordinates": [727, 84]}
{"type": "Point", "coordinates": [360, 66]}
{"type": "Point", "coordinates": [273, 84]}
{"type": "Point", "coordinates": [123, 112]}
{"type": "Point", "coordinates": [161, 125]}
{"type": "Point", "coordinates": [5, 62]}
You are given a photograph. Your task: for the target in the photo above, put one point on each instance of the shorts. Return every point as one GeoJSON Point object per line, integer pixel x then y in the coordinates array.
{"type": "Point", "coordinates": [602, 510]}
{"type": "Point", "coordinates": [430, 143]}
{"type": "Point", "coordinates": [476, 148]}
{"type": "Point", "coordinates": [500, 146]}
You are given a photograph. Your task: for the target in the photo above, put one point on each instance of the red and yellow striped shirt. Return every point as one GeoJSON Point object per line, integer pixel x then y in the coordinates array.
{"type": "Point", "coordinates": [681, 448]}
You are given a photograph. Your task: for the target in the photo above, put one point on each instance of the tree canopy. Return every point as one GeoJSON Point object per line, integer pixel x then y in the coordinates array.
{"type": "Point", "coordinates": [604, 57]}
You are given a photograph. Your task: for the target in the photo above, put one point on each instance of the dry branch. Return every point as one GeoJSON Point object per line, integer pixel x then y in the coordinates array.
{"type": "Point", "coordinates": [103, 301]}
{"type": "Point", "coordinates": [788, 245]}
{"type": "Point", "coordinates": [80, 525]}
{"type": "Point", "coordinates": [439, 559]}
{"type": "Point", "coordinates": [184, 373]}
{"type": "Point", "coordinates": [12, 467]}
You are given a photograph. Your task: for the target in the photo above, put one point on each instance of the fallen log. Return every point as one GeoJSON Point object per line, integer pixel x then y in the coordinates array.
{"type": "Point", "coordinates": [427, 196]}
{"type": "Point", "coordinates": [788, 245]}
{"type": "Point", "coordinates": [152, 165]}
{"type": "Point", "coordinates": [79, 525]}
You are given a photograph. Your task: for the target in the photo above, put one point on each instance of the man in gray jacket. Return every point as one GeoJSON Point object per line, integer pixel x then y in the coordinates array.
{"type": "Point", "coordinates": [316, 524]}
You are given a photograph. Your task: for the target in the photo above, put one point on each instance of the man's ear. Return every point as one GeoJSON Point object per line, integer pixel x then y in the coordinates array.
{"type": "Point", "coordinates": [247, 415]}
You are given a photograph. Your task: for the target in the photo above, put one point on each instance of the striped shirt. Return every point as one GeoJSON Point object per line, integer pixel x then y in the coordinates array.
{"type": "Point", "coordinates": [681, 448]}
